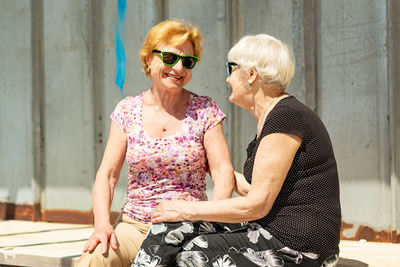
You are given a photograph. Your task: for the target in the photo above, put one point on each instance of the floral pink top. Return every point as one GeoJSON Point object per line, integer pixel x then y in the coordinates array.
{"type": "Point", "coordinates": [172, 167]}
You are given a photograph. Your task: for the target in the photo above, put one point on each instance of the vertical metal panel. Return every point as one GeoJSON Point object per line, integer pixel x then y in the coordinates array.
{"type": "Point", "coordinates": [69, 146]}
{"type": "Point", "coordinates": [37, 107]}
{"type": "Point", "coordinates": [304, 81]}
{"type": "Point", "coordinates": [16, 133]}
{"type": "Point", "coordinates": [236, 138]}
{"type": "Point", "coordinates": [96, 35]}
{"type": "Point", "coordinates": [352, 101]}
{"type": "Point", "coordinates": [394, 96]}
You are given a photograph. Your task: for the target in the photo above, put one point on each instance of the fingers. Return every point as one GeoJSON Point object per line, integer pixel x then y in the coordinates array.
{"type": "Point", "coordinates": [104, 244]}
{"type": "Point", "coordinates": [102, 238]}
{"type": "Point", "coordinates": [91, 244]}
{"type": "Point", "coordinates": [156, 217]}
{"type": "Point", "coordinates": [155, 220]}
{"type": "Point", "coordinates": [113, 241]}
{"type": "Point", "coordinates": [85, 247]}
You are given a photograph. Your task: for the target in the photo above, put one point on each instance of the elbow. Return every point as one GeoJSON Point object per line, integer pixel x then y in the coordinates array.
{"type": "Point", "coordinates": [225, 177]}
{"type": "Point", "coordinates": [230, 180]}
{"type": "Point", "coordinates": [108, 178]}
{"type": "Point", "coordinates": [258, 210]}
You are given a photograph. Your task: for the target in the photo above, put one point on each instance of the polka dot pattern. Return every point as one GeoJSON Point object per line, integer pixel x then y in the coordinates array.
{"type": "Point", "coordinates": [306, 214]}
{"type": "Point", "coordinates": [173, 167]}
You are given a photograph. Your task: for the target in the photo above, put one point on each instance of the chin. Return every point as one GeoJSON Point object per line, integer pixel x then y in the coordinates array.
{"type": "Point", "coordinates": [236, 102]}
{"type": "Point", "coordinates": [173, 86]}
{"type": "Point", "coordinates": [232, 99]}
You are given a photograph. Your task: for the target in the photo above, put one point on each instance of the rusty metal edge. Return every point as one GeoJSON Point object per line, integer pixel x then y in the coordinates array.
{"type": "Point", "coordinates": [10, 211]}
{"type": "Point", "coordinates": [27, 212]}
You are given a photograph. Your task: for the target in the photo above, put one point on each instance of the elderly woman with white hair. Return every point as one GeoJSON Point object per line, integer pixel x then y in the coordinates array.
{"type": "Point", "coordinates": [288, 212]}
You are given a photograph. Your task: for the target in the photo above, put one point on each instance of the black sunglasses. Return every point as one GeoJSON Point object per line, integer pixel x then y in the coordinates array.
{"type": "Point", "coordinates": [170, 59]}
{"type": "Point", "coordinates": [229, 67]}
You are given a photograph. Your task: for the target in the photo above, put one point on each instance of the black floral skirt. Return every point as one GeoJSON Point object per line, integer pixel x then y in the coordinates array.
{"type": "Point", "coordinates": [219, 244]}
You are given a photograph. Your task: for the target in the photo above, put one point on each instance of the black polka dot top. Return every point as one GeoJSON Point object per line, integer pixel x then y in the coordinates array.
{"type": "Point", "coordinates": [306, 214]}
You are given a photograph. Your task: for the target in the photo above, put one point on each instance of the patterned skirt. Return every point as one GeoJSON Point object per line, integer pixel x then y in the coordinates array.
{"type": "Point", "coordinates": [219, 244]}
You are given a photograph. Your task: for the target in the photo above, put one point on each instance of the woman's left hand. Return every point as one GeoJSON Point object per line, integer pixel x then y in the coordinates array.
{"type": "Point", "coordinates": [171, 211]}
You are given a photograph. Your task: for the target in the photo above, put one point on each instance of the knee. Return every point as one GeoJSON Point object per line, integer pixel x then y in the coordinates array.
{"type": "Point", "coordinates": [96, 258]}
{"type": "Point", "coordinates": [90, 259]}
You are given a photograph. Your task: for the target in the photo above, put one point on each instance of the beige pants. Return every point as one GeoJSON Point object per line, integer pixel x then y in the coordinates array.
{"type": "Point", "coordinates": [130, 235]}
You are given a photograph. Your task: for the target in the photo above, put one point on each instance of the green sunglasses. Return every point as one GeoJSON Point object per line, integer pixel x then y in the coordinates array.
{"type": "Point", "coordinates": [229, 67]}
{"type": "Point", "coordinates": [170, 59]}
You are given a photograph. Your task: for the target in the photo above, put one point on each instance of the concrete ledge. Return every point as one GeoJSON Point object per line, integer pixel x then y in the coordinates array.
{"type": "Point", "coordinates": [363, 253]}
{"type": "Point", "coordinates": [41, 244]}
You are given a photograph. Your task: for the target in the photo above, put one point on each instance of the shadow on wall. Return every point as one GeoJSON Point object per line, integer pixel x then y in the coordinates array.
{"type": "Point", "coordinates": [343, 262]}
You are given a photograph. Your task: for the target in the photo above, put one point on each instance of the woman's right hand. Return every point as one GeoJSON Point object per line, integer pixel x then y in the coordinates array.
{"type": "Point", "coordinates": [104, 235]}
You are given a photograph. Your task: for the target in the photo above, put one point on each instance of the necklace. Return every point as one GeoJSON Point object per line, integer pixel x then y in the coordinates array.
{"type": "Point", "coordinates": [270, 103]}
{"type": "Point", "coordinates": [259, 125]}
{"type": "Point", "coordinates": [164, 128]}
{"type": "Point", "coordinates": [174, 113]}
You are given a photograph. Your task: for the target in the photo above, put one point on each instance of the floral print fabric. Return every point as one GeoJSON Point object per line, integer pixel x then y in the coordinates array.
{"type": "Point", "coordinates": [219, 245]}
{"type": "Point", "coordinates": [173, 167]}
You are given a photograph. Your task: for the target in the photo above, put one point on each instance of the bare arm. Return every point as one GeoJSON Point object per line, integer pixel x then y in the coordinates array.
{"type": "Point", "coordinates": [220, 162]}
{"type": "Point", "coordinates": [106, 179]}
{"type": "Point", "coordinates": [242, 187]}
{"type": "Point", "coordinates": [273, 160]}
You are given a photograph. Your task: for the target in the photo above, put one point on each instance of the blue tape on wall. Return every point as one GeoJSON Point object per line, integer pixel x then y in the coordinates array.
{"type": "Point", "coordinates": [119, 46]}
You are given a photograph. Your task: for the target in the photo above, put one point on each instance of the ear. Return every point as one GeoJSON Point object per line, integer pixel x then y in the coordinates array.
{"type": "Point", "coordinates": [148, 59]}
{"type": "Point", "coordinates": [253, 75]}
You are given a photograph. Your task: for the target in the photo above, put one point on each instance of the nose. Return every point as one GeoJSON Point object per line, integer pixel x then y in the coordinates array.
{"type": "Point", "coordinates": [178, 66]}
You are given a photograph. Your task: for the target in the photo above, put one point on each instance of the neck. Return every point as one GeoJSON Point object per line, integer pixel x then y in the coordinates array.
{"type": "Point", "coordinates": [264, 106]}
{"type": "Point", "coordinates": [264, 102]}
{"type": "Point", "coordinates": [165, 100]}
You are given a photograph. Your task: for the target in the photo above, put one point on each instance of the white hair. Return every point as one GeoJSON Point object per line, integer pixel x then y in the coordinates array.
{"type": "Point", "coordinates": [271, 57]}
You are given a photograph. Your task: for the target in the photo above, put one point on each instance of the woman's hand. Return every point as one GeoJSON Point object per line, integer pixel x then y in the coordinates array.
{"type": "Point", "coordinates": [104, 235]}
{"type": "Point", "coordinates": [171, 211]}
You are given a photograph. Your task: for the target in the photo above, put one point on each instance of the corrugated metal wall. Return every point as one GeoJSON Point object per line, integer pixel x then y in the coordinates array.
{"type": "Point", "coordinates": [57, 69]}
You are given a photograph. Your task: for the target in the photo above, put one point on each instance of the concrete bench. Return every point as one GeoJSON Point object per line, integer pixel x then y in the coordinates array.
{"type": "Point", "coordinates": [41, 244]}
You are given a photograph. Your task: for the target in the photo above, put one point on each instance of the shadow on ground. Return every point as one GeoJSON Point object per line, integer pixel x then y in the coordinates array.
{"type": "Point", "coordinates": [343, 262]}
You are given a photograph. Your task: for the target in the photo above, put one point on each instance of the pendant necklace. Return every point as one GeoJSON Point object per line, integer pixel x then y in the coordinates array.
{"type": "Point", "coordinates": [164, 129]}
{"type": "Point", "coordinates": [270, 103]}
{"type": "Point", "coordinates": [265, 110]}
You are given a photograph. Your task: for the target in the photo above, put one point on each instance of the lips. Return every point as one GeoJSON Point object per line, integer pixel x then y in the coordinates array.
{"type": "Point", "coordinates": [176, 77]}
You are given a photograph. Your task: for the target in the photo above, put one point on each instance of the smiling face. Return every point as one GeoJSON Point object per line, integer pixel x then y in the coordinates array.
{"type": "Point", "coordinates": [171, 78]}
{"type": "Point", "coordinates": [240, 96]}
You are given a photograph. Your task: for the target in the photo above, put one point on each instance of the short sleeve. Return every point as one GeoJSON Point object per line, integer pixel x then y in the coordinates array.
{"type": "Point", "coordinates": [284, 119]}
{"type": "Point", "coordinates": [212, 114]}
{"type": "Point", "coordinates": [120, 114]}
